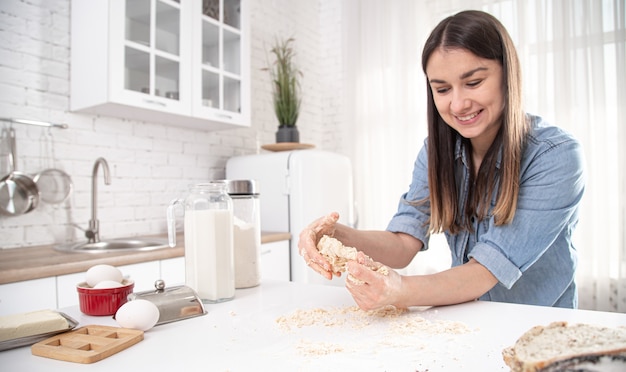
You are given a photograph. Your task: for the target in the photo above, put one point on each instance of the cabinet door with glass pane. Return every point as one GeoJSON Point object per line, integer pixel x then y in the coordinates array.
{"type": "Point", "coordinates": [221, 64]}
{"type": "Point", "coordinates": [161, 61]}
{"type": "Point", "coordinates": [153, 56]}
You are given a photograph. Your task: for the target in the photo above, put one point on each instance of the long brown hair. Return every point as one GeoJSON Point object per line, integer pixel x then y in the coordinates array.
{"type": "Point", "coordinates": [483, 35]}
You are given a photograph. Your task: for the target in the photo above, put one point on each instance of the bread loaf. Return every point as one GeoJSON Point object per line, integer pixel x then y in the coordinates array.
{"type": "Point", "coordinates": [30, 324]}
{"type": "Point", "coordinates": [563, 347]}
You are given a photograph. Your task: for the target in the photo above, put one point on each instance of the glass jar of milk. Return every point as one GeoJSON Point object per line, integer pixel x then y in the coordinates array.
{"type": "Point", "coordinates": [246, 232]}
{"type": "Point", "coordinates": [208, 231]}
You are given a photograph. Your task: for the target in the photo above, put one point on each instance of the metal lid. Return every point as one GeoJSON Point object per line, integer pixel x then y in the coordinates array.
{"type": "Point", "coordinates": [174, 303]}
{"type": "Point", "coordinates": [242, 187]}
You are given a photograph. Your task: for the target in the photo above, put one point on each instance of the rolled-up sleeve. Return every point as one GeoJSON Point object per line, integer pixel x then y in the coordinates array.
{"type": "Point", "coordinates": [412, 219]}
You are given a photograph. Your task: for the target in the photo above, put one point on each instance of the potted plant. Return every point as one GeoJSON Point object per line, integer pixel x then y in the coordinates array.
{"type": "Point", "coordinates": [285, 90]}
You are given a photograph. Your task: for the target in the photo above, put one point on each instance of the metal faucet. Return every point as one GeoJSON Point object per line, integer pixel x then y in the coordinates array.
{"type": "Point", "coordinates": [93, 232]}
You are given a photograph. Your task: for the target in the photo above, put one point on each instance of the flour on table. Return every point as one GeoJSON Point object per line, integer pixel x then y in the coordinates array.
{"type": "Point", "coordinates": [398, 321]}
{"type": "Point", "coordinates": [311, 348]}
{"type": "Point", "coordinates": [400, 329]}
{"type": "Point", "coordinates": [352, 317]}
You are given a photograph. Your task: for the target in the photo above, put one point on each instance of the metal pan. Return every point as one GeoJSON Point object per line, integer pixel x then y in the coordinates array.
{"type": "Point", "coordinates": [54, 185]}
{"type": "Point", "coordinates": [18, 192]}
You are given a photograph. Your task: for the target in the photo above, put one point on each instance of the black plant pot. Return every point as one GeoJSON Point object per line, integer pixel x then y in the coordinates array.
{"type": "Point", "coordinates": [287, 134]}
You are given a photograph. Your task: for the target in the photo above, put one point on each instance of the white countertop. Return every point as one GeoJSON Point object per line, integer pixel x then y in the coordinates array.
{"type": "Point", "coordinates": [243, 335]}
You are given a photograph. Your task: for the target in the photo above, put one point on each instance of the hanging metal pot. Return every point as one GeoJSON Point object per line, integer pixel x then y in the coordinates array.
{"type": "Point", "coordinates": [54, 185]}
{"type": "Point", "coordinates": [18, 192]}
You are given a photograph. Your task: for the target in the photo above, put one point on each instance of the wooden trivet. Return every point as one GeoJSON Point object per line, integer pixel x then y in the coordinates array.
{"type": "Point", "coordinates": [87, 344]}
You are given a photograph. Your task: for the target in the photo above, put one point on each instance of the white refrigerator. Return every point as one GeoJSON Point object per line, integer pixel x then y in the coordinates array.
{"type": "Point", "coordinates": [297, 187]}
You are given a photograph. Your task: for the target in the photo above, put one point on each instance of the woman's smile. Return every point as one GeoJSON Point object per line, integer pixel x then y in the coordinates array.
{"type": "Point", "coordinates": [468, 118]}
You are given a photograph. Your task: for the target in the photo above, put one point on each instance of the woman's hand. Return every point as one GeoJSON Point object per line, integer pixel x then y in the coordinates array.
{"type": "Point", "coordinates": [371, 288]}
{"type": "Point", "coordinates": [307, 244]}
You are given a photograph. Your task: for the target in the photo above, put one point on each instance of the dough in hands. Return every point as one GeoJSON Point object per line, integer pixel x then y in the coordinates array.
{"type": "Point", "coordinates": [338, 255]}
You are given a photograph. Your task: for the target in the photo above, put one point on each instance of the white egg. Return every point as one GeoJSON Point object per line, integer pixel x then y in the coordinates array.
{"type": "Point", "coordinates": [108, 284]}
{"type": "Point", "coordinates": [100, 273]}
{"type": "Point", "coordinates": [137, 314]}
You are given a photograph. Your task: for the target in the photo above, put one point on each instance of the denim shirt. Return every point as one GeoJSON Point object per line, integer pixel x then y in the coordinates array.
{"type": "Point", "coordinates": [532, 257]}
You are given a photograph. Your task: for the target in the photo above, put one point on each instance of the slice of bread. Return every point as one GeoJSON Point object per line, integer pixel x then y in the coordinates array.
{"type": "Point", "coordinates": [30, 324]}
{"type": "Point", "coordinates": [549, 348]}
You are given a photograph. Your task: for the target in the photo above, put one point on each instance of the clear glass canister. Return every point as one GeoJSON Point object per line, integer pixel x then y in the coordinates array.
{"type": "Point", "coordinates": [246, 232]}
{"type": "Point", "coordinates": [208, 231]}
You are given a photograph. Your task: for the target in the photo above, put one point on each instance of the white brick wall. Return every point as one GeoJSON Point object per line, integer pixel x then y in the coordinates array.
{"type": "Point", "coordinates": [150, 163]}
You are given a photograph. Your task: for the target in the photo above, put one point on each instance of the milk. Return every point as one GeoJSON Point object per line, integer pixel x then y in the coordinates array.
{"type": "Point", "coordinates": [209, 260]}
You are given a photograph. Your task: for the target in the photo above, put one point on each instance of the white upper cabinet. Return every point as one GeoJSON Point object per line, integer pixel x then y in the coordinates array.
{"type": "Point", "coordinates": [181, 63]}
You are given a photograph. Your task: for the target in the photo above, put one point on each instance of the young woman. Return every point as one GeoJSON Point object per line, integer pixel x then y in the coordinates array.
{"type": "Point", "coordinates": [504, 186]}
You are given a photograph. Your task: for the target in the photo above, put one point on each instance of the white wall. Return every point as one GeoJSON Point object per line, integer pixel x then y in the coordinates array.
{"type": "Point", "coordinates": [150, 163]}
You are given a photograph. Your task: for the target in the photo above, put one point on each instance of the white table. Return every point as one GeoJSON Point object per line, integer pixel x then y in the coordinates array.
{"type": "Point", "coordinates": [243, 335]}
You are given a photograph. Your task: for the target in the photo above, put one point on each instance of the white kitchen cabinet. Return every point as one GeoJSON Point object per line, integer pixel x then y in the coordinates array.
{"type": "Point", "coordinates": [67, 295]}
{"type": "Point", "coordinates": [29, 295]}
{"type": "Point", "coordinates": [144, 274]}
{"type": "Point", "coordinates": [275, 261]}
{"type": "Point", "coordinates": [182, 63]}
{"type": "Point", "coordinates": [173, 271]}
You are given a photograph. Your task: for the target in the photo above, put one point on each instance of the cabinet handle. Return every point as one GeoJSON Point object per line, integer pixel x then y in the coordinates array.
{"type": "Point", "coordinates": [224, 116]}
{"type": "Point", "coordinates": [151, 102]}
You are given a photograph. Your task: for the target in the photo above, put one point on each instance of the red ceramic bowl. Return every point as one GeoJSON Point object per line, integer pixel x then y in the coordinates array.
{"type": "Point", "coordinates": [104, 301]}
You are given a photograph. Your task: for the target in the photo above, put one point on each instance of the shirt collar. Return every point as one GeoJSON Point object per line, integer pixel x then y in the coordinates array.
{"type": "Point", "coordinates": [460, 153]}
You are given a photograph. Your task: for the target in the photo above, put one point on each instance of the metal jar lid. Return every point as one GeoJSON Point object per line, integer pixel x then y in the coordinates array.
{"type": "Point", "coordinates": [242, 187]}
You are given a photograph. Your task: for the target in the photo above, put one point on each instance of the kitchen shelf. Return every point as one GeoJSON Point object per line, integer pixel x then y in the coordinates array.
{"type": "Point", "coordinates": [287, 146]}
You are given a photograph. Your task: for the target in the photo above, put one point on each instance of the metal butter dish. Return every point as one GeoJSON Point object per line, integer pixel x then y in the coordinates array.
{"type": "Point", "coordinates": [175, 303]}
{"type": "Point", "coordinates": [29, 340]}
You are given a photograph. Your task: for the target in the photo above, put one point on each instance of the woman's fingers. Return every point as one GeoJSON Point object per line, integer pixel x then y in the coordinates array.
{"type": "Point", "coordinates": [307, 243]}
{"type": "Point", "coordinates": [371, 284]}
{"type": "Point", "coordinates": [325, 225]}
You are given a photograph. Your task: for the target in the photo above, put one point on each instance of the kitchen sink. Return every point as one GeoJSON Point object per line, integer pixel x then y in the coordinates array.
{"type": "Point", "coordinates": [115, 245]}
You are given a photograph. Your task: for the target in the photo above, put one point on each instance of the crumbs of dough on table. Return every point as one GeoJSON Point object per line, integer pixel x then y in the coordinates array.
{"type": "Point", "coordinates": [400, 321]}
{"type": "Point", "coordinates": [305, 347]}
{"type": "Point", "coordinates": [399, 328]}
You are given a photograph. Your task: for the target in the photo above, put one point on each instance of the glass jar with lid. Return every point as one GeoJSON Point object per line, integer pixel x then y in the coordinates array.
{"type": "Point", "coordinates": [246, 231]}
{"type": "Point", "coordinates": [208, 231]}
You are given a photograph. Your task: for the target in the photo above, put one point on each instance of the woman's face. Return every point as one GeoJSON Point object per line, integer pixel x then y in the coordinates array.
{"type": "Point", "coordinates": [467, 92]}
